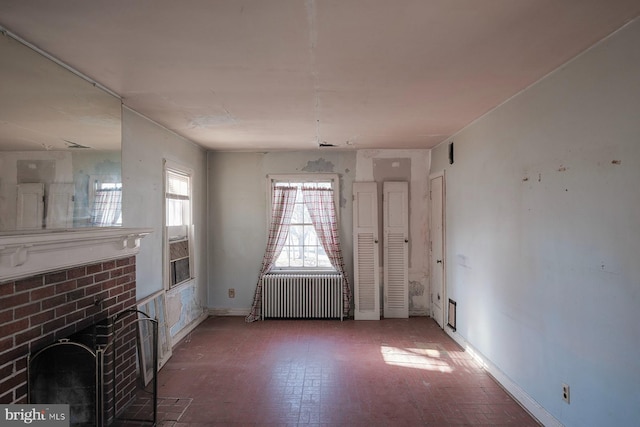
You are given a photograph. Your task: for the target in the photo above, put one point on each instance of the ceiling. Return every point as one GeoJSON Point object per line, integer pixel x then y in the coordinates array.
{"type": "Point", "coordinates": [267, 75]}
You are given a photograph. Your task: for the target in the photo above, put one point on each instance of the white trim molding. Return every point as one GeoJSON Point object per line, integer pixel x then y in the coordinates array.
{"type": "Point", "coordinates": [31, 253]}
{"type": "Point", "coordinates": [521, 396]}
{"type": "Point", "coordinates": [221, 312]}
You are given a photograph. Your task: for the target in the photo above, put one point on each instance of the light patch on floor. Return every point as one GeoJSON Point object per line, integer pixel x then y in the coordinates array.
{"type": "Point", "coordinates": [417, 358]}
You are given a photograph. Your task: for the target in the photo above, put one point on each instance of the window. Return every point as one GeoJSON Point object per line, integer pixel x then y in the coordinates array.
{"type": "Point", "coordinates": [303, 249]}
{"type": "Point", "coordinates": [178, 227]}
{"type": "Point", "coordinates": [106, 209]}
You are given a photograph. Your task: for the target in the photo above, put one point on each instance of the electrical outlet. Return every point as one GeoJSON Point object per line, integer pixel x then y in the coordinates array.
{"type": "Point", "coordinates": [232, 293]}
{"type": "Point", "coordinates": [565, 393]}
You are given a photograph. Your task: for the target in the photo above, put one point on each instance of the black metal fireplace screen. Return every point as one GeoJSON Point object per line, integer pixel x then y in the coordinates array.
{"type": "Point", "coordinates": [71, 372]}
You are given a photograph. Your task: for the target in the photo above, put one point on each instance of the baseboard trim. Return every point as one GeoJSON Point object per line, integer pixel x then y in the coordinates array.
{"type": "Point", "coordinates": [229, 311]}
{"type": "Point", "coordinates": [526, 401]}
{"type": "Point", "coordinates": [188, 329]}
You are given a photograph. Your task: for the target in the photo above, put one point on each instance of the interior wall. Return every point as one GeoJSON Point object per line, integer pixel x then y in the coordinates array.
{"type": "Point", "coordinates": [412, 166]}
{"type": "Point", "coordinates": [144, 146]}
{"type": "Point", "coordinates": [543, 237]}
{"type": "Point", "coordinates": [238, 217]}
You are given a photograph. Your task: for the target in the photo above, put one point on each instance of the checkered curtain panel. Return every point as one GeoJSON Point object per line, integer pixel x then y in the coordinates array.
{"type": "Point", "coordinates": [107, 208]}
{"type": "Point", "coordinates": [322, 209]}
{"type": "Point", "coordinates": [282, 208]}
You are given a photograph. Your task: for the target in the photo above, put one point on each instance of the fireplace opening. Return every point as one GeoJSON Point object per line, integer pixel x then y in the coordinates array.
{"type": "Point", "coordinates": [68, 373]}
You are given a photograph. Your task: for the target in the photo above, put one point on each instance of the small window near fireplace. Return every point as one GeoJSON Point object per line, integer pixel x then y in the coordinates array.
{"type": "Point", "coordinates": [178, 225]}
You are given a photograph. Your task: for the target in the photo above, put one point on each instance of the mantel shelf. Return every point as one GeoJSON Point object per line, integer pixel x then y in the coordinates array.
{"type": "Point", "coordinates": [32, 253]}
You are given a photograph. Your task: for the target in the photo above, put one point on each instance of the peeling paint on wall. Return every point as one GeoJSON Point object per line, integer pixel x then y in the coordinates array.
{"type": "Point", "coordinates": [320, 165]}
{"type": "Point", "coordinates": [370, 154]}
{"type": "Point", "coordinates": [174, 308]}
{"type": "Point", "coordinates": [324, 166]}
{"type": "Point", "coordinates": [416, 288]}
{"type": "Point", "coordinates": [182, 309]}
{"type": "Point", "coordinates": [416, 300]}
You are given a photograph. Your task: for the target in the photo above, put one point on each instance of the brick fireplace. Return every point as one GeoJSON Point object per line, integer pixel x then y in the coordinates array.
{"type": "Point", "coordinates": [77, 302]}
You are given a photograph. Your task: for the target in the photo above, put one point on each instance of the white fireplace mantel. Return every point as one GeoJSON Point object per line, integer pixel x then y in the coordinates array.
{"type": "Point", "coordinates": [32, 253]}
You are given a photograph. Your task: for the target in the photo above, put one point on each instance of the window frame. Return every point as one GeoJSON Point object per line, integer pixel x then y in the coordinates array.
{"type": "Point", "coordinates": [273, 179]}
{"type": "Point", "coordinates": [169, 231]}
{"type": "Point", "coordinates": [96, 181]}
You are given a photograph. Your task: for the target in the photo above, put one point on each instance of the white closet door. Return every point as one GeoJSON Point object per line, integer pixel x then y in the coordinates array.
{"type": "Point", "coordinates": [365, 251]}
{"type": "Point", "coordinates": [396, 249]}
{"type": "Point", "coordinates": [30, 206]}
{"type": "Point", "coordinates": [436, 195]}
{"type": "Point", "coordinates": [60, 206]}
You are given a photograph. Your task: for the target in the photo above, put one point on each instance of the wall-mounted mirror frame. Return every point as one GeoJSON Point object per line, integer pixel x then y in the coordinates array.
{"type": "Point", "coordinates": [60, 144]}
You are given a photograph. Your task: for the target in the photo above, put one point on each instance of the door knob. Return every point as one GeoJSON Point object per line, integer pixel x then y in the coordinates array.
{"type": "Point", "coordinates": [439, 261]}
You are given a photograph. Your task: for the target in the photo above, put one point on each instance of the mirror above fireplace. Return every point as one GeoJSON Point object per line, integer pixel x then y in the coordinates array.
{"type": "Point", "coordinates": [60, 145]}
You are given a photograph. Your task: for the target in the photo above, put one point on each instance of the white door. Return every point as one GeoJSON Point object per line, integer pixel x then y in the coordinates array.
{"type": "Point", "coordinates": [436, 185]}
{"type": "Point", "coordinates": [30, 206]}
{"type": "Point", "coordinates": [60, 206]}
{"type": "Point", "coordinates": [365, 251]}
{"type": "Point", "coordinates": [395, 223]}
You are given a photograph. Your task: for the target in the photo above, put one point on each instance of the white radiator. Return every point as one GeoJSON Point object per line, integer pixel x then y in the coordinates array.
{"type": "Point", "coordinates": [302, 296]}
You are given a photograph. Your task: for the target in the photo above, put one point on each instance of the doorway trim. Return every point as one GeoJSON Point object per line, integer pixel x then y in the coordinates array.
{"type": "Point", "coordinates": [442, 322]}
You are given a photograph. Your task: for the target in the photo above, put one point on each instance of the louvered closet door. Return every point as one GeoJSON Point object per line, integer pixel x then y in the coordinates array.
{"type": "Point", "coordinates": [365, 251]}
{"type": "Point", "coordinates": [60, 205]}
{"type": "Point", "coordinates": [396, 249]}
{"type": "Point", "coordinates": [30, 209]}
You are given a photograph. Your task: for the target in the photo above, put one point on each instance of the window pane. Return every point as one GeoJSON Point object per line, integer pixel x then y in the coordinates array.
{"type": "Point", "coordinates": [283, 259]}
{"type": "Point", "coordinates": [180, 271]}
{"type": "Point", "coordinates": [310, 256]}
{"type": "Point", "coordinates": [298, 214]}
{"type": "Point", "coordinates": [310, 236]}
{"type": "Point", "coordinates": [175, 212]}
{"type": "Point", "coordinates": [177, 184]}
{"type": "Point", "coordinates": [296, 234]}
{"type": "Point", "coordinates": [297, 256]}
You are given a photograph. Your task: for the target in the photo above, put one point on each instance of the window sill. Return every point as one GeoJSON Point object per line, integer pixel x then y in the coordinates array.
{"type": "Point", "coordinates": [180, 286]}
